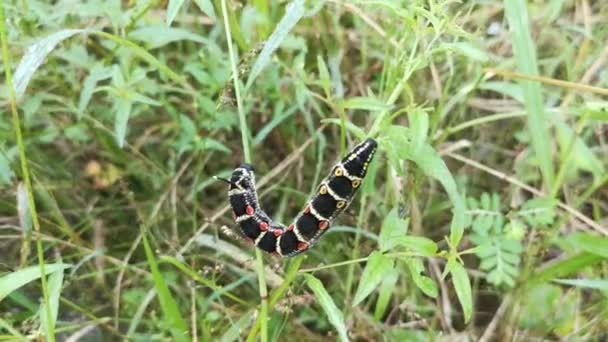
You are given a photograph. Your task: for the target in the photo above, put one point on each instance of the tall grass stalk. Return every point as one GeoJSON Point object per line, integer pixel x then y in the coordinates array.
{"type": "Point", "coordinates": [25, 173]}
{"type": "Point", "coordinates": [247, 155]}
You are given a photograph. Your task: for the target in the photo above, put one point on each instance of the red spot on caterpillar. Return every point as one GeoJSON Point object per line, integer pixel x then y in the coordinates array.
{"type": "Point", "coordinates": [302, 246]}
{"type": "Point", "coordinates": [263, 226]}
{"type": "Point", "coordinates": [290, 228]}
{"type": "Point", "coordinates": [249, 210]}
{"type": "Point", "coordinates": [277, 232]}
{"type": "Point", "coordinates": [307, 209]}
{"type": "Point", "coordinates": [323, 225]}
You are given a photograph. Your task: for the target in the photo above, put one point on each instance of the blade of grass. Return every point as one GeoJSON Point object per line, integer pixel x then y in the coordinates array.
{"type": "Point", "coordinates": [55, 283]}
{"type": "Point", "coordinates": [25, 172]}
{"type": "Point", "coordinates": [14, 280]}
{"type": "Point", "coordinates": [335, 316]}
{"type": "Point", "coordinates": [525, 55]}
{"type": "Point", "coordinates": [168, 305]}
{"type": "Point", "coordinates": [293, 13]}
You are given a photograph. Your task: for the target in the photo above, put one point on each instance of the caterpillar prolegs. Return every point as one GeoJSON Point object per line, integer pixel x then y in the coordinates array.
{"type": "Point", "coordinates": [333, 196]}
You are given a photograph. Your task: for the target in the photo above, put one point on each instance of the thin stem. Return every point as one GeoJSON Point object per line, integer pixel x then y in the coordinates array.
{"type": "Point", "coordinates": [356, 261]}
{"type": "Point", "coordinates": [485, 119]}
{"type": "Point", "coordinates": [247, 155]}
{"type": "Point", "coordinates": [548, 80]}
{"type": "Point", "coordinates": [26, 174]}
{"type": "Point", "coordinates": [237, 90]}
{"type": "Point", "coordinates": [559, 179]}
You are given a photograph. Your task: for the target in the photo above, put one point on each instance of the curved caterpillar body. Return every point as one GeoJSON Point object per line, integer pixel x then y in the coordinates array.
{"type": "Point", "coordinates": [333, 196]}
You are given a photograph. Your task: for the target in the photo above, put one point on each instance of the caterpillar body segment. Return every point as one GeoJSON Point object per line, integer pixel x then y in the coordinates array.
{"type": "Point", "coordinates": [332, 197]}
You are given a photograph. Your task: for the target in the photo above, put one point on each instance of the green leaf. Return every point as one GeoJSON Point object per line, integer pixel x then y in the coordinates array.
{"type": "Point", "coordinates": [34, 56]}
{"type": "Point", "coordinates": [468, 50]}
{"type": "Point", "coordinates": [171, 313]}
{"type": "Point", "coordinates": [323, 75]}
{"type": "Point", "coordinates": [370, 103]}
{"type": "Point", "coordinates": [98, 73]}
{"type": "Point", "coordinates": [293, 13]}
{"type": "Point", "coordinates": [462, 285]}
{"type": "Point", "coordinates": [598, 284]}
{"type": "Point", "coordinates": [569, 265]}
{"type": "Point", "coordinates": [418, 244]}
{"type": "Point", "coordinates": [393, 228]}
{"type": "Point", "coordinates": [509, 89]}
{"type": "Point", "coordinates": [14, 280]}
{"type": "Point", "coordinates": [581, 156]}
{"type": "Point", "coordinates": [142, 53]}
{"type": "Point", "coordinates": [159, 35]}
{"type": "Point", "coordinates": [424, 283]}
{"type": "Point", "coordinates": [419, 128]}
{"type": "Point", "coordinates": [172, 10]}
{"type": "Point", "coordinates": [54, 286]}
{"type": "Point", "coordinates": [6, 173]}
{"type": "Point", "coordinates": [377, 267]}
{"type": "Point", "coordinates": [122, 108]}
{"type": "Point", "coordinates": [351, 127]}
{"type": "Point", "coordinates": [433, 166]}
{"type": "Point", "coordinates": [206, 7]}
{"type": "Point", "coordinates": [538, 211]}
{"type": "Point", "coordinates": [237, 328]}
{"type": "Point", "coordinates": [386, 289]}
{"type": "Point", "coordinates": [327, 303]}
{"type": "Point", "coordinates": [516, 12]}
{"type": "Point", "coordinates": [590, 243]}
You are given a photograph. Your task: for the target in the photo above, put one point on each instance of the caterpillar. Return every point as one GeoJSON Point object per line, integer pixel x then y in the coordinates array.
{"type": "Point", "coordinates": [332, 197]}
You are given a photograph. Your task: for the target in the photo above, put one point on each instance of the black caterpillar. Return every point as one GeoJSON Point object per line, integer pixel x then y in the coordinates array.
{"type": "Point", "coordinates": [333, 196]}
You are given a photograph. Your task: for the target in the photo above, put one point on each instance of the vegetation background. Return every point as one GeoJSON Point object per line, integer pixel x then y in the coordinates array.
{"type": "Point", "coordinates": [484, 216]}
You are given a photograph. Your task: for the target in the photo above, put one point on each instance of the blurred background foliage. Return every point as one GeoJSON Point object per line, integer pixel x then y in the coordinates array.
{"type": "Point", "coordinates": [484, 215]}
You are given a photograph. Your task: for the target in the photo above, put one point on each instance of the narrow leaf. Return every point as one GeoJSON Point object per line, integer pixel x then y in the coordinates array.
{"type": "Point", "coordinates": [393, 228]}
{"type": "Point", "coordinates": [122, 108]}
{"type": "Point", "coordinates": [14, 280]}
{"type": "Point", "coordinates": [462, 285]}
{"type": "Point", "coordinates": [54, 285]}
{"type": "Point", "coordinates": [365, 102]}
{"type": "Point", "coordinates": [159, 35]}
{"type": "Point", "coordinates": [424, 283]}
{"type": "Point", "coordinates": [327, 303]}
{"type": "Point", "coordinates": [206, 7]}
{"type": "Point", "coordinates": [418, 244]}
{"type": "Point", "coordinates": [98, 73]}
{"type": "Point", "coordinates": [171, 313]}
{"type": "Point", "coordinates": [525, 55]}
{"type": "Point", "coordinates": [598, 284]}
{"type": "Point", "coordinates": [378, 266]}
{"type": "Point", "coordinates": [34, 57]}
{"type": "Point", "coordinates": [590, 243]}
{"type": "Point", "coordinates": [294, 11]}
{"type": "Point", "coordinates": [387, 287]}
{"type": "Point", "coordinates": [172, 10]}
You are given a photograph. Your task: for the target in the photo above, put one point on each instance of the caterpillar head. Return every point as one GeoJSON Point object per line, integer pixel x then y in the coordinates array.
{"type": "Point", "coordinates": [357, 161]}
{"type": "Point", "coordinates": [243, 177]}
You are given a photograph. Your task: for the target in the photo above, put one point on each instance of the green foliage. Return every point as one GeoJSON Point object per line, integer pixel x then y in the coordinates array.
{"type": "Point", "coordinates": [119, 114]}
{"type": "Point", "coordinates": [497, 236]}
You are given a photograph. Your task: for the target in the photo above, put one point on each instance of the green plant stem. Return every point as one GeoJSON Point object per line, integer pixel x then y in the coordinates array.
{"type": "Point", "coordinates": [25, 173]}
{"type": "Point", "coordinates": [559, 179]}
{"type": "Point", "coordinates": [278, 293]}
{"type": "Point", "coordinates": [356, 261]}
{"type": "Point", "coordinates": [485, 119]}
{"type": "Point", "coordinates": [263, 317]}
{"type": "Point", "coordinates": [355, 253]}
